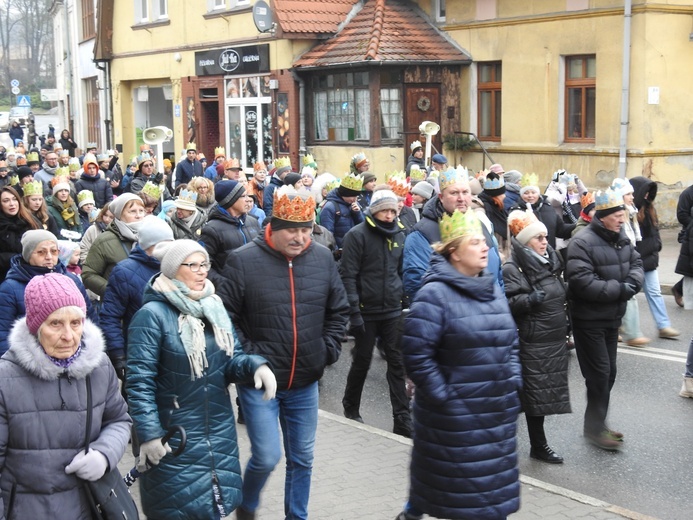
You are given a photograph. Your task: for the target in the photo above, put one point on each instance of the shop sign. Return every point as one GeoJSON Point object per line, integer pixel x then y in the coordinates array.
{"type": "Point", "coordinates": [232, 60]}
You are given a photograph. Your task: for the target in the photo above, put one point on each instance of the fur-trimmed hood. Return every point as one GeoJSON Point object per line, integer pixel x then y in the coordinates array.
{"type": "Point", "coordinates": [27, 352]}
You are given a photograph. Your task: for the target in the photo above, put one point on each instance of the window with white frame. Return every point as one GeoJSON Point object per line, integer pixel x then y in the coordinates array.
{"type": "Point", "coordinates": [341, 107]}
{"type": "Point", "coordinates": [149, 11]}
{"type": "Point", "coordinates": [439, 6]}
{"type": "Point", "coordinates": [219, 5]}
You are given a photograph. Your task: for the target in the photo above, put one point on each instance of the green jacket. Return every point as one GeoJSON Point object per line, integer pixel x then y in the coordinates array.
{"type": "Point", "coordinates": [108, 249]}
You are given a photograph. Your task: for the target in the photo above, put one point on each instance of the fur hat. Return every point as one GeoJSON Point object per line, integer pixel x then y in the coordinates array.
{"type": "Point", "coordinates": [46, 294]}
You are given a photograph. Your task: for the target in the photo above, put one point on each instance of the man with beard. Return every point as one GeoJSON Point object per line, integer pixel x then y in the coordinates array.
{"type": "Point", "coordinates": [47, 172]}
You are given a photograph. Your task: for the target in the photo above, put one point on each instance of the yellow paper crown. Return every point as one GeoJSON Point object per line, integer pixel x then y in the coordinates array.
{"type": "Point", "coordinates": [151, 189]}
{"type": "Point", "coordinates": [219, 152]}
{"type": "Point", "coordinates": [85, 195]}
{"type": "Point", "coordinates": [607, 199]}
{"type": "Point", "coordinates": [416, 173]}
{"type": "Point", "coordinates": [352, 182]}
{"type": "Point", "coordinates": [399, 186]}
{"type": "Point", "coordinates": [63, 171]}
{"type": "Point", "coordinates": [453, 176]}
{"type": "Point", "coordinates": [33, 188]}
{"type": "Point", "coordinates": [308, 160]}
{"type": "Point", "coordinates": [14, 180]}
{"type": "Point", "coordinates": [530, 179]}
{"type": "Point", "coordinates": [459, 225]}
{"type": "Point", "coordinates": [190, 146]}
{"type": "Point", "coordinates": [32, 157]}
{"type": "Point", "coordinates": [401, 174]}
{"type": "Point", "coordinates": [329, 186]}
{"type": "Point", "coordinates": [289, 205]}
{"type": "Point", "coordinates": [73, 165]}
{"type": "Point", "coordinates": [281, 162]}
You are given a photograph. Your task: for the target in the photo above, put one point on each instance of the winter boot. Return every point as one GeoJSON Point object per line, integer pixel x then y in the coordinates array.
{"type": "Point", "coordinates": [687, 387]}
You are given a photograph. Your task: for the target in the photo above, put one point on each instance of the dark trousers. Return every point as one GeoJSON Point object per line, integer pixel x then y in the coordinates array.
{"type": "Point", "coordinates": [389, 333]}
{"type": "Point", "coordinates": [596, 352]}
{"type": "Point", "coordinates": [535, 430]}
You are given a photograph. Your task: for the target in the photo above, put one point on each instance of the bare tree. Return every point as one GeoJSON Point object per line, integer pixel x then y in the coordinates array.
{"type": "Point", "coordinates": [35, 31]}
{"type": "Point", "coordinates": [8, 21]}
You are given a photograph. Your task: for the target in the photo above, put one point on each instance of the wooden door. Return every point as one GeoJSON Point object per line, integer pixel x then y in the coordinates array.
{"type": "Point", "coordinates": [422, 103]}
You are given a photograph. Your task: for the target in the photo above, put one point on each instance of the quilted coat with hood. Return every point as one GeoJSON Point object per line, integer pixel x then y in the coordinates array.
{"type": "Point", "coordinates": [460, 349]}
{"type": "Point", "coordinates": [337, 217]}
{"type": "Point", "coordinates": [161, 394]}
{"type": "Point", "coordinates": [645, 192]}
{"type": "Point", "coordinates": [109, 248]}
{"type": "Point", "coordinates": [43, 410]}
{"type": "Point", "coordinates": [542, 329]}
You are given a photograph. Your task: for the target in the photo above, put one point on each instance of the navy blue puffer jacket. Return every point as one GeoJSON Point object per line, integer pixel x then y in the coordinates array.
{"type": "Point", "coordinates": [337, 216]}
{"type": "Point", "coordinates": [460, 348]}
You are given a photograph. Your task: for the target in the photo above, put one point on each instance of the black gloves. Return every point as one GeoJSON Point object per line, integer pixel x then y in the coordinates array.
{"type": "Point", "coordinates": [356, 324]}
{"type": "Point", "coordinates": [536, 297]}
{"type": "Point", "coordinates": [628, 290]}
{"type": "Point", "coordinates": [119, 363]}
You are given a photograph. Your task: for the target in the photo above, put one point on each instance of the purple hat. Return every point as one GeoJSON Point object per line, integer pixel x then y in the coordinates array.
{"type": "Point", "coordinates": [48, 293]}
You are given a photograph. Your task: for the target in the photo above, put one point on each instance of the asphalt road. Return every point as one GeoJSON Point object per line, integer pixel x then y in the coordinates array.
{"type": "Point", "coordinates": [41, 121]}
{"type": "Point", "coordinates": [650, 475]}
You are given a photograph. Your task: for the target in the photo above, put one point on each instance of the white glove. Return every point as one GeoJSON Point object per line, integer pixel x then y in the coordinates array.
{"type": "Point", "coordinates": [88, 466]}
{"type": "Point", "coordinates": [151, 453]}
{"type": "Point", "coordinates": [265, 377]}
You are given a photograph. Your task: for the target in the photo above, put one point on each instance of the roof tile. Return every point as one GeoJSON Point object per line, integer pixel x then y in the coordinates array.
{"type": "Point", "coordinates": [311, 16]}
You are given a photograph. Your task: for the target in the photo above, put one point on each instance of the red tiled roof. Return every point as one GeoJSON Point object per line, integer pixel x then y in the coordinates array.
{"type": "Point", "coordinates": [384, 31]}
{"type": "Point", "coordinates": [311, 16]}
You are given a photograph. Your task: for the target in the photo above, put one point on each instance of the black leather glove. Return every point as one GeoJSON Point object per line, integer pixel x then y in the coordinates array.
{"type": "Point", "coordinates": [356, 324]}
{"type": "Point", "coordinates": [119, 363]}
{"type": "Point", "coordinates": [536, 297]}
{"type": "Point", "coordinates": [628, 290]}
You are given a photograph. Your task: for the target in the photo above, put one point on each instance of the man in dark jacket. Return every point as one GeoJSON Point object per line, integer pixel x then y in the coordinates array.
{"type": "Point", "coordinates": [92, 181]}
{"type": "Point", "coordinates": [604, 271]}
{"type": "Point", "coordinates": [370, 268]}
{"type": "Point", "coordinates": [416, 158]}
{"type": "Point", "coordinates": [342, 212]}
{"type": "Point", "coordinates": [293, 311]}
{"type": "Point", "coordinates": [188, 168]}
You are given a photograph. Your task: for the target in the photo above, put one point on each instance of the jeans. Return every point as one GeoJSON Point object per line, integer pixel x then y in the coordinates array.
{"type": "Point", "coordinates": [596, 353]}
{"type": "Point", "coordinates": [653, 294]}
{"type": "Point", "coordinates": [689, 360]}
{"type": "Point", "coordinates": [296, 411]}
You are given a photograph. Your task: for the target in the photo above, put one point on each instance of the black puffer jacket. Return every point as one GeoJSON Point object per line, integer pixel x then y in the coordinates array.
{"type": "Point", "coordinates": [293, 312]}
{"type": "Point", "coordinates": [542, 329]}
{"type": "Point", "coordinates": [651, 243]}
{"type": "Point", "coordinates": [371, 269]}
{"type": "Point", "coordinates": [555, 227]}
{"type": "Point", "coordinates": [99, 186]}
{"type": "Point", "coordinates": [599, 263]}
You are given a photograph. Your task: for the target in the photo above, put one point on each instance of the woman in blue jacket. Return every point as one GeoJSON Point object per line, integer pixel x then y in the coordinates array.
{"type": "Point", "coordinates": [182, 354]}
{"type": "Point", "coordinates": [460, 349]}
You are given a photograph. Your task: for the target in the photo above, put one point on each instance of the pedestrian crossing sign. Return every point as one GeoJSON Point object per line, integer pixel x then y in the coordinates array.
{"type": "Point", "coordinates": [24, 101]}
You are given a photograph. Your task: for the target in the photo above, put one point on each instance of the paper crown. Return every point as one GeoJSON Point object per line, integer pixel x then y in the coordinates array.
{"type": "Point", "coordinates": [329, 186]}
{"type": "Point", "coordinates": [21, 160]}
{"type": "Point", "coordinates": [607, 199]}
{"type": "Point", "coordinates": [142, 158]}
{"type": "Point", "coordinates": [493, 182]}
{"type": "Point", "coordinates": [258, 166]}
{"type": "Point", "coordinates": [190, 146]}
{"type": "Point", "coordinates": [219, 152]}
{"type": "Point", "coordinates": [519, 220]}
{"type": "Point", "coordinates": [151, 189]}
{"type": "Point", "coordinates": [91, 145]}
{"type": "Point", "coordinates": [102, 157]}
{"type": "Point", "coordinates": [459, 225]}
{"type": "Point", "coordinates": [62, 171]}
{"type": "Point", "coordinates": [416, 144]}
{"type": "Point", "coordinates": [352, 182]}
{"type": "Point", "coordinates": [416, 173]}
{"type": "Point", "coordinates": [397, 174]}
{"type": "Point", "coordinates": [399, 186]}
{"type": "Point", "coordinates": [14, 180]}
{"type": "Point", "coordinates": [622, 185]}
{"type": "Point", "coordinates": [74, 165]}
{"type": "Point", "coordinates": [33, 188]}
{"type": "Point", "coordinates": [232, 163]}
{"type": "Point", "coordinates": [10, 151]}
{"type": "Point", "coordinates": [530, 179]}
{"type": "Point", "coordinates": [566, 178]}
{"type": "Point", "coordinates": [359, 160]}
{"type": "Point", "coordinates": [187, 199]}
{"type": "Point", "coordinates": [282, 162]}
{"type": "Point", "coordinates": [59, 178]}
{"type": "Point", "coordinates": [587, 199]}
{"type": "Point", "coordinates": [308, 160]}
{"type": "Point", "coordinates": [309, 171]}
{"type": "Point", "coordinates": [201, 157]}
{"type": "Point", "coordinates": [453, 176]}
{"type": "Point", "coordinates": [289, 205]}
{"type": "Point", "coordinates": [85, 196]}
{"type": "Point", "coordinates": [3, 165]}
{"type": "Point", "coordinates": [32, 157]}
{"type": "Point", "coordinates": [64, 153]}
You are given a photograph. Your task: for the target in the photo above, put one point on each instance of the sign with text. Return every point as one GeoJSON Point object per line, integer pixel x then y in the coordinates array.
{"type": "Point", "coordinates": [233, 60]}
{"type": "Point", "coordinates": [49, 94]}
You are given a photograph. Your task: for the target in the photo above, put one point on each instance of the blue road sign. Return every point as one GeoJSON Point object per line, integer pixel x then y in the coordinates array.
{"type": "Point", "coordinates": [24, 101]}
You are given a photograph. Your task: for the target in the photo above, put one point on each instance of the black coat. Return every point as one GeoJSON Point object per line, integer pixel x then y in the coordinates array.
{"type": "Point", "coordinates": [293, 312]}
{"type": "Point", "coordinates": [542, 329]}
{"type": "Point", "coordinates": [651, 243]}
{"type": "Point", "coordinates": [555, 226]}
{"type": "Point", "coordinates": [11, 231]}
{"type": "Point", "coordinates": [100, 187]}
{"type": "Point", "coordinates": [599, 262]}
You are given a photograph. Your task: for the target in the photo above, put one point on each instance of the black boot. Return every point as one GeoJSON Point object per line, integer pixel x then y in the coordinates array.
{"type": "Point", "coordinates": [240, 418]}
{"type": "Point", "coordinates": [353, 414]}
{"type": "Point", "coordinates": [546, 454]}
{"type": "Point", "coordinates": [403, 425]}
{"type": "Point", "coordinates": [242, 514]}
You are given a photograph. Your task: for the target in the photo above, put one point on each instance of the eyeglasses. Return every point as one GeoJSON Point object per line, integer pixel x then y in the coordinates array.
{"type": "Point", "coordinates": [541, 238]}
{"type": "Point", "coordinates": [147, 165]}
{"type": "Point", "coordinates": [196, 266]}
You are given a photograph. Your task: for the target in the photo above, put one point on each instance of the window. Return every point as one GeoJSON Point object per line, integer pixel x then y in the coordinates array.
{"type": "Point", "coordinates": [149, 11]}
{"type": "Point", "coordinates": [489, 95]}
{"type": "Point", "coordinates": [88, 20]}
{"type": "Point", "coordinates": [219, 5]}
{"type": "Point", "coordinates": [580, 98]}
{"type": "Point", "coordinates": [91, 94]}
{"type": "Point", "coordinates": [439, 6]}
{"type": "Point", "coordinates": [341, 107]}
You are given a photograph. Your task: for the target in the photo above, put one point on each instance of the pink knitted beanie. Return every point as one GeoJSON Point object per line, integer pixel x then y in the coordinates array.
{"type": "Point", "coordinates": [48, 293]}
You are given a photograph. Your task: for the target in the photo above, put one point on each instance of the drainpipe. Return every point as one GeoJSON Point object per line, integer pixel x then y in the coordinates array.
{"type": "Point", "coordinates": [105, 67]}
{"type": "Point", "coordinates": [301, 118]}
{"type": "Point", "coordinates": [625, 90]}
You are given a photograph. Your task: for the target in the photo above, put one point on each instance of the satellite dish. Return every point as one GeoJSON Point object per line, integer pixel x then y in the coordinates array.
{"type": "Point", "coordinates": [262, 16]}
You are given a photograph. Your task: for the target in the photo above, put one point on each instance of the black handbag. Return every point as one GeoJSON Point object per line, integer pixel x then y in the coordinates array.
{"type": "Point", "coordinates": [109, 497]}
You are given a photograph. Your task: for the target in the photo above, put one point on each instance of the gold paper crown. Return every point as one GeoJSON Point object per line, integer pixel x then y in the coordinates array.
{"type": "Point", "coordinates": [329, 186]}
{"type": "Point", "coordinates": [352, 182]}
{"type": "Point", "coordinates": [399, 186]}
{"type": "Point", "coordinates": [62, 171]}
{"type": "Point", "coordinates": [33, 188]}
{"type": "Point", "coordinates": [59, 178]}
{"type": "Point", "coordinates": [289, 205]}
{"type": "Point", "coordinates": [151, 189]}
{"type": "Point", "coordinates": [85, 195]}
{"type": "Point", "coordinates": [459, 225]}
{"type": "Point", "coordinates": [21, 160]}
{"type": "Point", "coordinates": [416, 173]}
{"type": "Point", "coordinates": [587, 199]}
{"type": "Point", "coordinates": [232, 163]}
{"type": "Point", "coordinates": [453, 176]}
{"type": "Point", "coordinates": [281, 162]}
{"type": "Point", "coordinates": [401, 174]}
{"type": "Point", "coordinates": [74, 165]}
{"type": "Point", "coordinates": [308, 160]}
{"type": "Point", "coordinates": [219, 152]}
{"type": "Point", "coordinates": [190, 146]}
{"type": "Point", "coordinates": [518, 220]}
{"type": "Point", "coordinates": [608, 199]}
{"type": "Point", "coordinates": [32, 157]}
{"type": "Point", "coordinates": [14, 180]}
{"type": "Point", "coordinates": [530, 179]}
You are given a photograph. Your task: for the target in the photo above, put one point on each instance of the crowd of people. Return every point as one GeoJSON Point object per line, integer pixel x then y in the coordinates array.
{"type": "Point", "coordinates": [474, 287]}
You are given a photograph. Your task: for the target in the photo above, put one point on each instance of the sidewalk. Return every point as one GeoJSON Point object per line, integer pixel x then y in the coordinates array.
{"type": "Point", "coordinates": [362, 472]}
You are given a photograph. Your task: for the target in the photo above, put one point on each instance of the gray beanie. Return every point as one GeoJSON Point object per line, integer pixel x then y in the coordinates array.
{"type": "Point", "coordinates": [423, 189]}
{"type": "Point", "coordinates": [382, 200]}
{"type": "Point", "coordinates": [172, 255]}
{"type": "Point", "coordinates": [119, 203]}
{"type": "Point", "coordinates": [32, 238]}
{"type": "Point", "coordinates": [153, 230]}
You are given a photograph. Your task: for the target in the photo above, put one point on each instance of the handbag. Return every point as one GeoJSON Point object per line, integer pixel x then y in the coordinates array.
{"type": "Point", "coordinates": [109, 497]}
